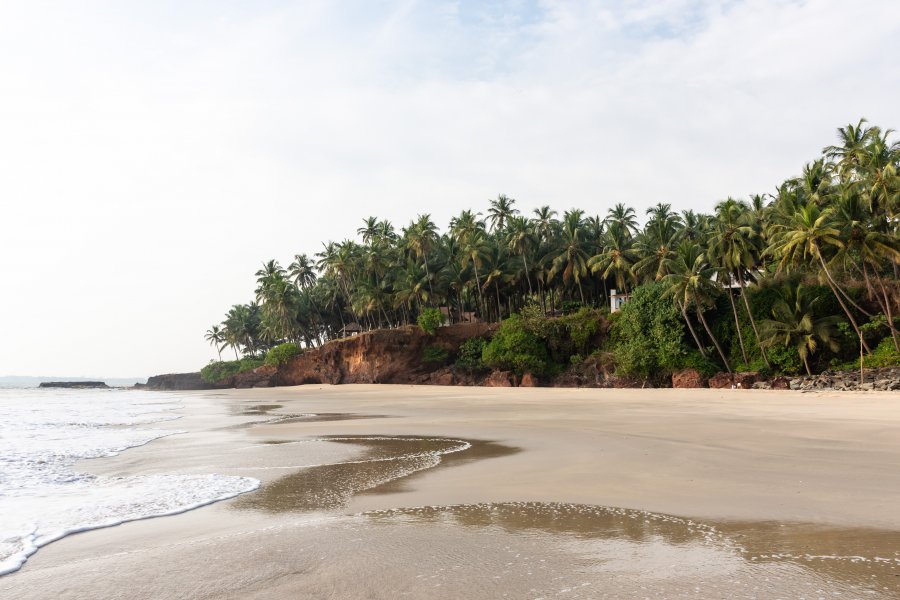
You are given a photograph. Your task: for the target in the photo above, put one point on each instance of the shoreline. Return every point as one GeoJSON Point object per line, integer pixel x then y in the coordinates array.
{"type": "Point", "coordinates": [737, 460]}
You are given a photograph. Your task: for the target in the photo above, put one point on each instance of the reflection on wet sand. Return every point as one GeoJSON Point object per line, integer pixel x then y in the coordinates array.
{"type": "Point", "coordinates": [549, 549]}
{"type": "Point", "coordinates": [761, 558]}
{"type": "Point", "coordinates": [387, 463]}
{"type": "Point", "coordinates": [281, 419]}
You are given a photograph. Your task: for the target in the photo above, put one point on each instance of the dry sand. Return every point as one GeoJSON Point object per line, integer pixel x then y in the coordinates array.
{"type": "Point", "coordinates": [747, 494]}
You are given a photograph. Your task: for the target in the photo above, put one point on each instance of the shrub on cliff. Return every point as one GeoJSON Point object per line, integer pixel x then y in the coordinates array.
{"type": "Point", "coordinates": [469, 357]}
{"type": "Point", "coordinates": [430, 319]}
{"type": "Point", "coordinates": [219, 370]}
{"type": "Point", "coordinates": [515, 348]}
{"type": "Point", "coordinates": [434, 355]}
{"type": "Point", "coordinates": [282, 353]}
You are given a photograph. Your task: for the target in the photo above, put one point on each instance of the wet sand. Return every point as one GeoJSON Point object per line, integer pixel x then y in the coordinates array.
{"type": "Point", "coordinates": [428, 492]}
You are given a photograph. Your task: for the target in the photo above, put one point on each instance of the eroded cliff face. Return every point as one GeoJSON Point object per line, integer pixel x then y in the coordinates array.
{"type": "Point", "coordinates": [381, 356]}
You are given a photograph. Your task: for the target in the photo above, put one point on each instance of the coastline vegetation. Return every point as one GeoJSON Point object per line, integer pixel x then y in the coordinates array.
{"type": "Point", "coordinates": [796, 281]}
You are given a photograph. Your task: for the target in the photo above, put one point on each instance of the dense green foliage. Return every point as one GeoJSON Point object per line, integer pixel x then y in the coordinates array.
{"type": "Point", "coordinates": [280, 354]}
{"type": "Point", "coordinates": [430, 319]}
{"type": "Point", "coordinates": [219, 370]}
{"type": "Point", "coordinates": [832, 230]}
{"type": "Point", "coordinates": [648, 334]}
{"type": "Point", "coordinates": [469, 358]}
{"type": "Point", "coordinates": [516, 348]}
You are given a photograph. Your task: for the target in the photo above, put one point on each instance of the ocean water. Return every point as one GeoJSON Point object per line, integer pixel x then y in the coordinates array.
{"type": "Point", "coordinates": [44, 497]}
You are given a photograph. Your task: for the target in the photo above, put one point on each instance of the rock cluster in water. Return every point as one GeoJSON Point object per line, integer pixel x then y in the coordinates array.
{"type": "Point", "coordinates": [76, 385]}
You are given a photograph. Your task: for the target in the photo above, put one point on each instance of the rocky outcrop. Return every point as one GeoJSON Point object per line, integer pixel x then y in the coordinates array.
{"type": "Point", "coordinates": [178, 381]}
{"type": "Point", "coordinates": [741, 381]}
{"type": "Point", "coordinates": [879, 380]}
{"type": "Point", "coordinates": [380, 356]}
{"type": "Point", "coordinates": [73, 385]}
{"type": "Point", "coordinates": [688, 378]}
{"type": "Point", "coordinates": [500, 379]}
{"type": "Point", "coordinates": [528, 380]}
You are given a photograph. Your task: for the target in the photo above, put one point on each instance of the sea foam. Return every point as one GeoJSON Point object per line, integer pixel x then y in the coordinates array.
{"type": "Point", "coordinates": [43, 497]}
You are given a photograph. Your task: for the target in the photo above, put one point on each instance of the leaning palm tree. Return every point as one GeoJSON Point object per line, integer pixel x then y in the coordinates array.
{"type": "Point", "coordinates": [794, 323]}
{"type": "Point", "coordinates": [734, 250]}
{"type": "Point", "coordinates": [805, 237]}
{"type": "Point", "coordinates": [690, 281]}
{"type": "Point", "coordinates": [216, 338]}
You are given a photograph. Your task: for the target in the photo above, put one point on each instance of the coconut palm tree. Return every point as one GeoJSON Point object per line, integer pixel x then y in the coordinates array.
{"type": "Point", "coordinates": [617, 256]}
{"type": "Point", "coordinates": [521, 241]}
{"type": "Point", "coordinates": [216, 339]}
{"type": "Point", "coordinates": [302, 272]}
{"type": "Point", "coordinates": [734, 250]}
{"type": "Point", "coordinates": [804, 238]}
{"type": "Point", "coordinates": [500, 212]}
{"type": "Point", "coordinates": [571, 255]}
{"type": "Point", "coordinates": [794, 323]}
{"type": "Point", "coordinates": [421, 239]}
{"type": "Point", "coordinates": [690, 281]}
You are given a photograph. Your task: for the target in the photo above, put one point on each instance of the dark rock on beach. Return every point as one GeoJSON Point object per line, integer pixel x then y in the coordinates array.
{"type": "Point", "coordinates": [177, 381]}
{"type": "Point", "coordinates": [74, 385]}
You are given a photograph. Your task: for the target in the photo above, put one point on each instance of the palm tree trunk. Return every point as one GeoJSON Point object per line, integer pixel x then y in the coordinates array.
{"type": "Point", "coordinates": [687, 320]}
{"type": "Point", "coordinates": [478, 283]}
{"type": "Point", "coordinates": [762, 350]}
{"type": "Point", "coordinates": [499, 306]}
{"type": "Point", "coordinates": [527, 278]}
{"type": "Point", "coordinates": [428, 277]}
{"type": "Point", "coordinates": [806, 364]}
{"type": "Point", "coordinates": [713, 338]}
{"type": "Point", "coordinates": [837, 295]}
{"type": "Point", "coordinates": [737, 322]}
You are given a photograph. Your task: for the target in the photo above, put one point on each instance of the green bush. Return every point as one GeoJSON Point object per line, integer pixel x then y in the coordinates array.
{"type": "Point", "coordinates": [647, 335]}
{"type": "Point", "coordinates": [884, 355]}
{"type": "Point", "coordinates": [434, 355]}
{"type": "Point", "coordinates": [430, 319]}
{"type": "Point", "coordinates": [282, 353]}
{"type": "Point", "coordinates": [515, 348]}
{"type": "Point", "coordinates": [469, 357]}
{"type": "Point", "coordinates": [219, 370]}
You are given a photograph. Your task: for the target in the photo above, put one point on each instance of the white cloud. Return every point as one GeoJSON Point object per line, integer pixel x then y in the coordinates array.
{"type": "Point", "coordinates": [153, 154]}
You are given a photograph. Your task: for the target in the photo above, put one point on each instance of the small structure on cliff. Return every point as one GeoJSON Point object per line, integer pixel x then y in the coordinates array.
{"type": "Point", "coordinates": [351, 329]}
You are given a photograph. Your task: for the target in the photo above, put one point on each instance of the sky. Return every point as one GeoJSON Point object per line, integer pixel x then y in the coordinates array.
{"type": "Point", "coordinates": [154, 154]}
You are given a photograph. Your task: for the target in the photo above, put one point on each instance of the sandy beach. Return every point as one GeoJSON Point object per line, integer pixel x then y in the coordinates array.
{"type": "Point", "coordinates": [430, 492]}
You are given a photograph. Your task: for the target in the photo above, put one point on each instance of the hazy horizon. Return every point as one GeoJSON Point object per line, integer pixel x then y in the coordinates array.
{"type": "Point", "coordinates": [156, 154]}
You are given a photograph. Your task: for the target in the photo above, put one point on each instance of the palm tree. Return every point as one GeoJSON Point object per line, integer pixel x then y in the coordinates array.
{"type": "Point", "coordinates": [520, 238]}
{"type": "Point", "coordinates": [733, 248]}
{"type": "Point", "coordinates": [216, 339]}
{"type": "Point", "coordinates": [794, 324]}
{"type": "Point", "coordinates": [422, 236]}
{"type": "Point", "coordinates": [500, 211]}
{"type": "Point", "coordinates": [624, 217]}
{"type": "Point", "coordinates": [803, 238]}
{"type": "Point", "coordinates": [690, 283]}
{"type": "Point", "coordinates": [474, 251]}
{"type": "Point", "coordinates": [617, 256]}
{"type": "Point", "coordinates": [571, 256]}
{"type": "Point", "coordinates": [302, 272]}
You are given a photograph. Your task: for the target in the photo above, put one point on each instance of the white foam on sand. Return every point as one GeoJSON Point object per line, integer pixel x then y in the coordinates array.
{"type": "Point", "coordinates": [44, 498]}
